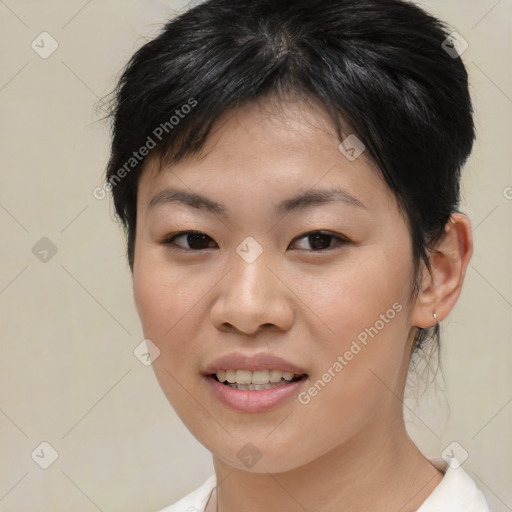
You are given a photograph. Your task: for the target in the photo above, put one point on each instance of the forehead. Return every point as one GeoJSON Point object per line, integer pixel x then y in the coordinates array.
{"type": "Point", "coordinates": [267, 149]}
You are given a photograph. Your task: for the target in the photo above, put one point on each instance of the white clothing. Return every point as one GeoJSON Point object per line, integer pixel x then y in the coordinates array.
{"type": "Point", "coordinates": [456, 492]}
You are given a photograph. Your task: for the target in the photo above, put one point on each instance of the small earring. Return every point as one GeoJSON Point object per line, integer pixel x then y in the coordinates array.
{"type": "Point", "coordinates": [435, 317]}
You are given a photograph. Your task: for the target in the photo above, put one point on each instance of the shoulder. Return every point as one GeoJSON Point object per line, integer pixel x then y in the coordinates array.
{"type": "Point", "coordinates": [457, 492]}
{"type": "Point", "coordinates": [194, 501]}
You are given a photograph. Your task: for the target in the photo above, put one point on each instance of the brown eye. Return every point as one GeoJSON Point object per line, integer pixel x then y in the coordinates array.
{"type": "Point", "coordinates": [195, 240]}
{"type": "Point", "coordinates": [321, 240]}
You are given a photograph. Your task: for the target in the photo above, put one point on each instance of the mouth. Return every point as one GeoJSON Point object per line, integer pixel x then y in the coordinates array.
{"type": "Point", "coordinates": [255, 391]}
{"type": "Point", "coordinates": [252, 383]}
{"type": "Point", "coordinates": [258, 380]}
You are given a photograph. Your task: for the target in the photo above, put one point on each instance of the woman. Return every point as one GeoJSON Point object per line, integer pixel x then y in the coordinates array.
{"type": "Point", "coordinates": [288, 177]}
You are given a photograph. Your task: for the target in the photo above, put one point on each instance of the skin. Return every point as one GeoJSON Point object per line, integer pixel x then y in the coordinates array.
{"type": "Point", "coordinates": [347, 449]}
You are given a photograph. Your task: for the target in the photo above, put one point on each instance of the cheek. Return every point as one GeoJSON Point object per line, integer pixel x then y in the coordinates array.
{"type": "Point", "coordinates": [165, 303]}
{"type": "Point", "coordinates": [151, 299]}
{"type": "Point", "coordinates": [364, 308]}
{"type": "Point", "coordinates": [169, 304]}
{"type": "Point", "coordinates": [352, 294]}
{"type": "Point", "coordinates": [162, 294]}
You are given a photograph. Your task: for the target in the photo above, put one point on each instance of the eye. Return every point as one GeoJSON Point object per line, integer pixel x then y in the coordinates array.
{"type": "Point", "coordinates": [195, 239]}
{"type": "Point", "coordinates": [320, 240]}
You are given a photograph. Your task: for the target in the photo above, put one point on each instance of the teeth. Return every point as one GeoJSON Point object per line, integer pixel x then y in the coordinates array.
{"type": "Point", "coordinates": [258, 377]}
{"type": "Point", "coordinates": [243, 377]}
{"type": "Point", "coordinates": [275, 375]}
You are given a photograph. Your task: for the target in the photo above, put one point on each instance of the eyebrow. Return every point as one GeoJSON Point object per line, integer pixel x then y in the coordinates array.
{"type": "Point", "coordinates": [304, 200]}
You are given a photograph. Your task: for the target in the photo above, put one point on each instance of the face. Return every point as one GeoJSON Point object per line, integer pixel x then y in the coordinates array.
{"type": "Point", "coordinates": [300, 299]}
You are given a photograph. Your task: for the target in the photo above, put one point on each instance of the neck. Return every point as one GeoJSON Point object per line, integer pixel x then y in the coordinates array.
{"type": "Point", "coordinates": [375, 472]}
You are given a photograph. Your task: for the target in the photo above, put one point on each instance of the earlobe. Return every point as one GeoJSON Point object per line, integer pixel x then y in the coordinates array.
{"type": "Point", "coordinates": [440, 289]}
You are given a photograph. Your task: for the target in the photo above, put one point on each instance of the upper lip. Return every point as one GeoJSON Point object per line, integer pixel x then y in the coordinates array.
{"type": "Point", "coordinates": [254, 362]}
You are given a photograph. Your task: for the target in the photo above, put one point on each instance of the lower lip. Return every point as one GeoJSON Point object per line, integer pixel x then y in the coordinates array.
{"type": "Point", "coordinates": [253, 401]}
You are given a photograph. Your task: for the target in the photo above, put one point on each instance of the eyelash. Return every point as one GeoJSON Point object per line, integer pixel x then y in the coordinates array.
{"type": "Point", "coordinates": [169, 240]}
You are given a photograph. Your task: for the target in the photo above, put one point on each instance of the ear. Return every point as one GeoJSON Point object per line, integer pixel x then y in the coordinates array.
{"type": "Point", "coordinates": [440, 289]}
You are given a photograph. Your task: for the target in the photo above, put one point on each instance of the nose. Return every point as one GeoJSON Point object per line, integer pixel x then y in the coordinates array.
{"type": "Point", "coordinates": [252, 297]}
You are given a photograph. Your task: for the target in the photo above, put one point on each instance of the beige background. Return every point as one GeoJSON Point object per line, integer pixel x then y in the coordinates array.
{"type": "Point", "coordinates": [67, 370]}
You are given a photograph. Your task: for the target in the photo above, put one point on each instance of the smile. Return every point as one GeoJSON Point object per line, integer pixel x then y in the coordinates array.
{"type": "Point", "coordinates": [252, 398]}
{"type": "Point", "coordinates": [255, 380]}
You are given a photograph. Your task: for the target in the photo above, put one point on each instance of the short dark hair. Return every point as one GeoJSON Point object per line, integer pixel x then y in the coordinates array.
{"type": "Point", "coordinates": [377, 66]}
